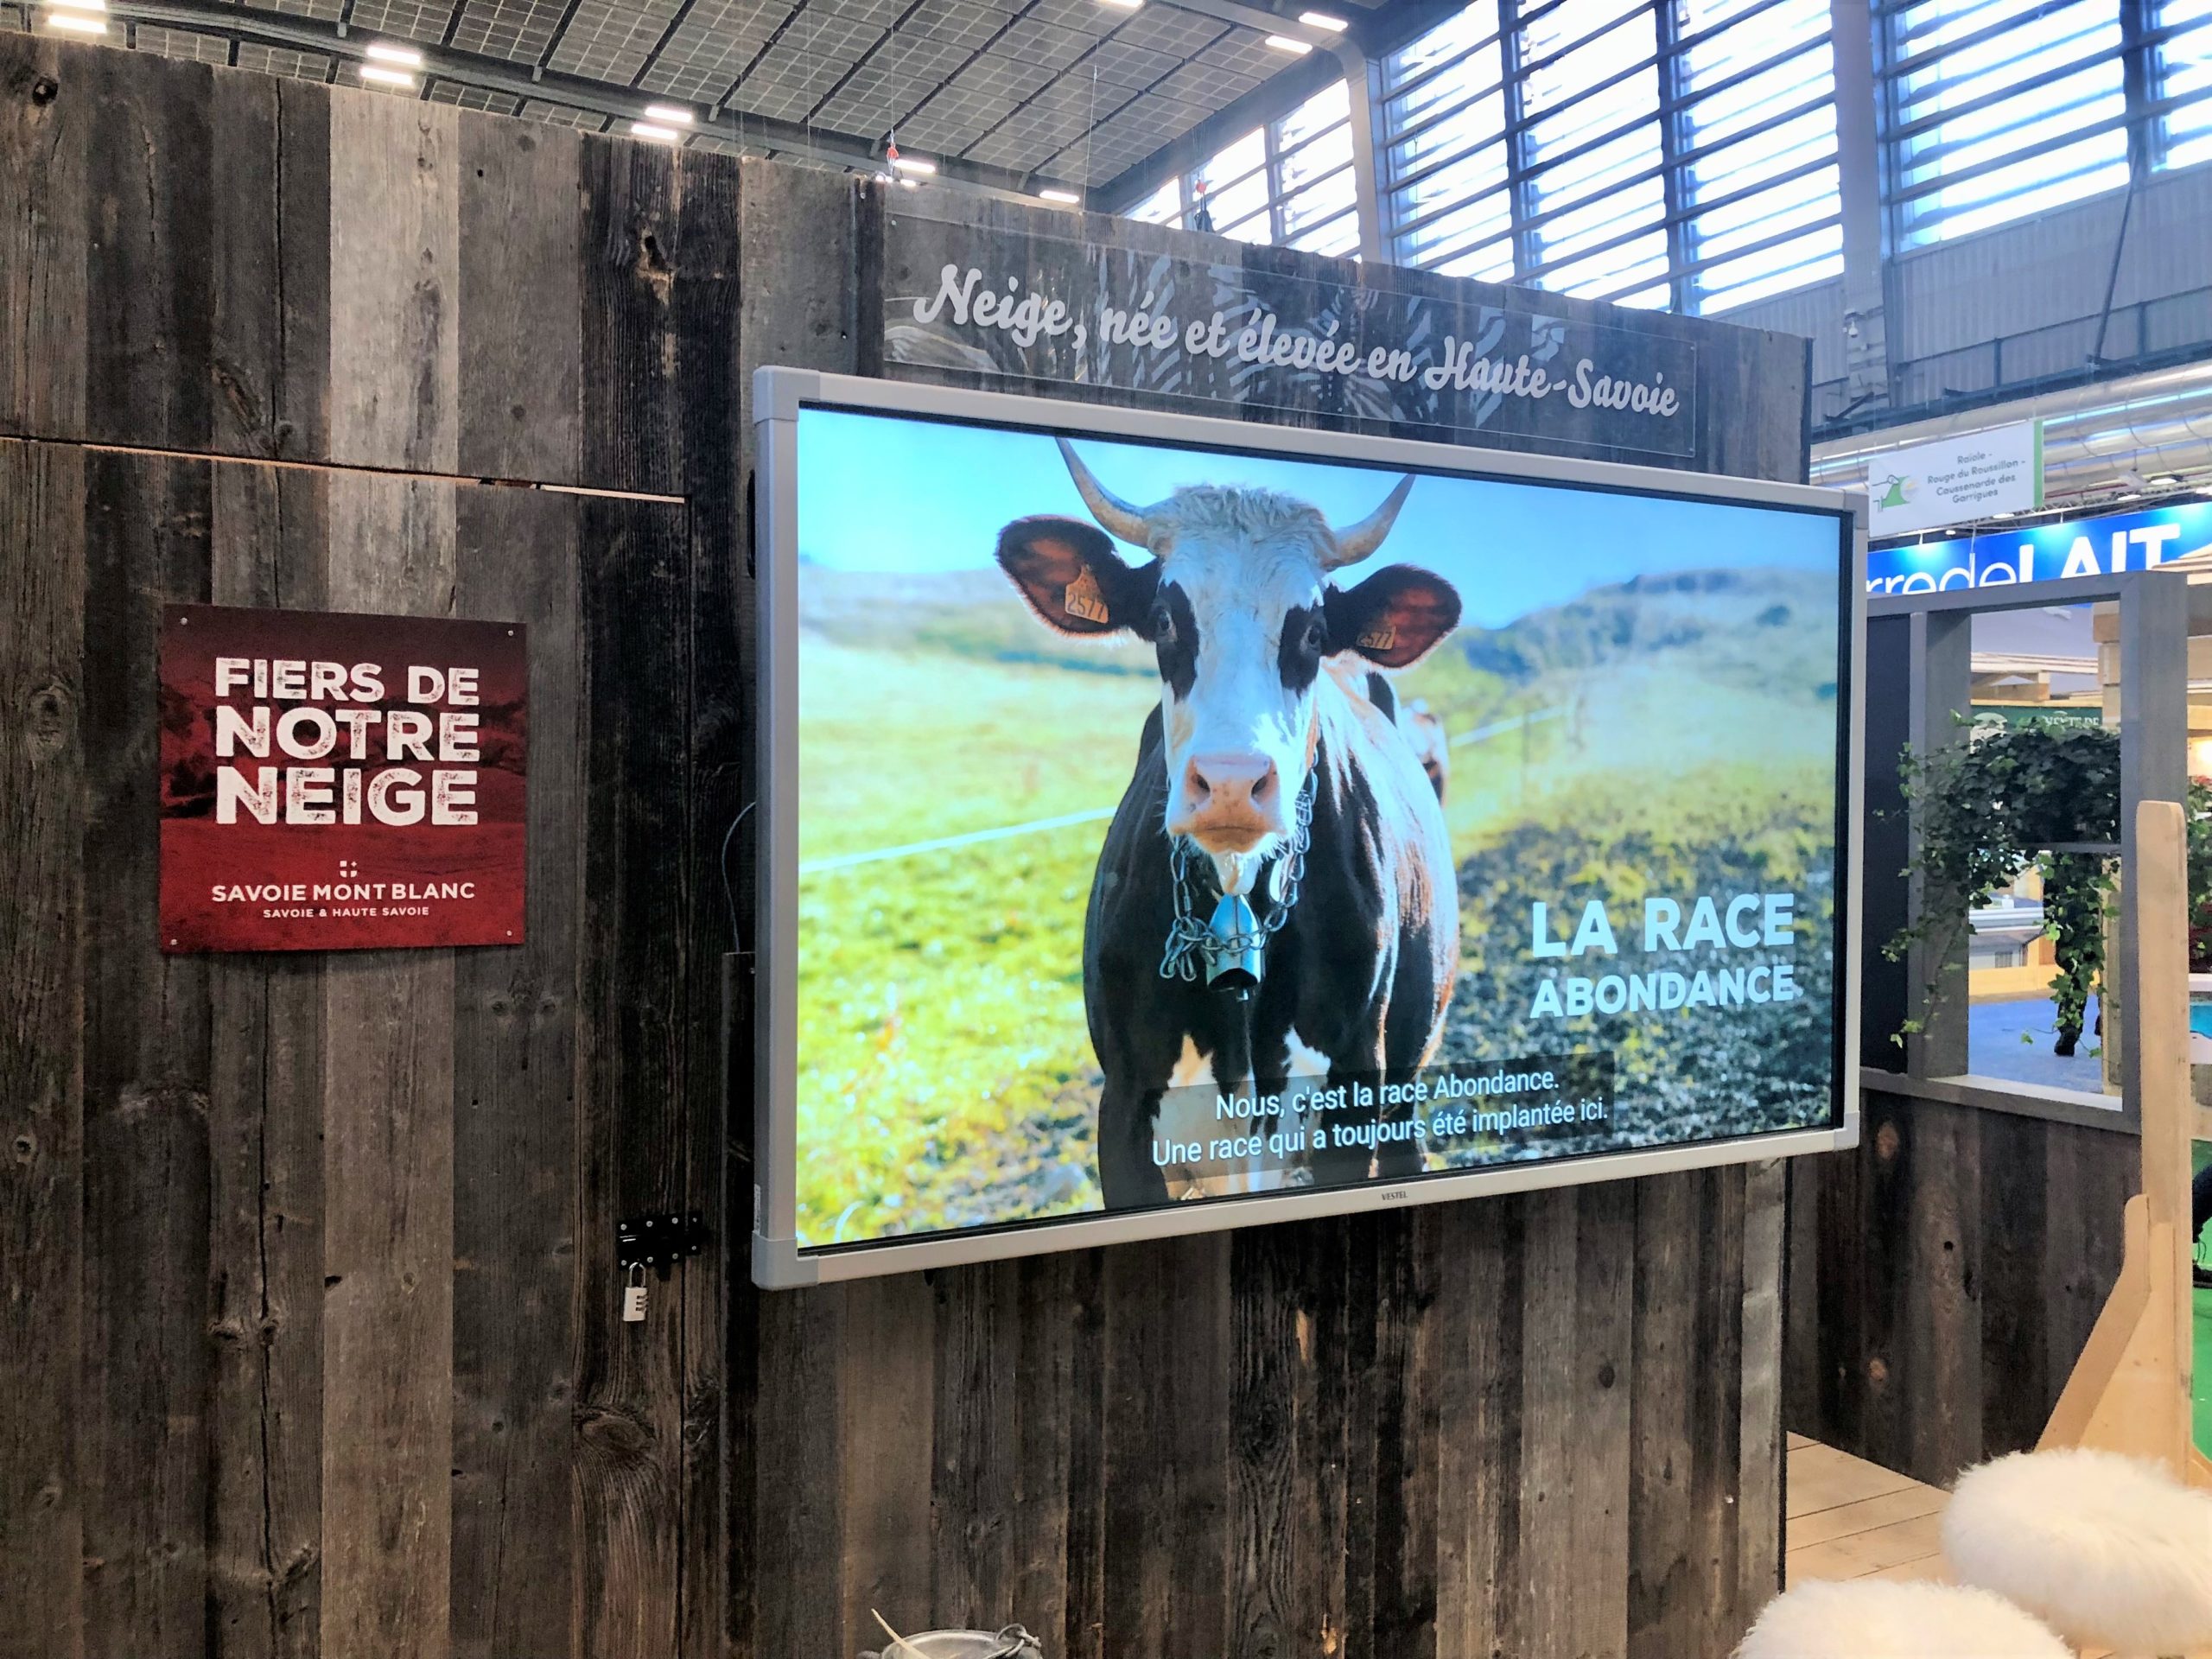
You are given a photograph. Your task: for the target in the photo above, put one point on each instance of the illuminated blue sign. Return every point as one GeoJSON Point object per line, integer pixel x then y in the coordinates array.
{"type": "Point", "coordinates": [2072, 547]}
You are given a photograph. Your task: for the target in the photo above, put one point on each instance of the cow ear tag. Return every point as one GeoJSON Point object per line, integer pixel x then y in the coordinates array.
{"type": "Point", "coordinates": [1082, 598]}
{"type": "Point", "coordinates": [1380, 637]}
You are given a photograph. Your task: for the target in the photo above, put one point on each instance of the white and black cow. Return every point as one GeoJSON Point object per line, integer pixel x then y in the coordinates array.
{"type": "Point", "coordinates": [1266, 690]}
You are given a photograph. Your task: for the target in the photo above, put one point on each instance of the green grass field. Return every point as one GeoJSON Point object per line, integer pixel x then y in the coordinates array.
{"type": "Point", "coordinates": [947, 1074]}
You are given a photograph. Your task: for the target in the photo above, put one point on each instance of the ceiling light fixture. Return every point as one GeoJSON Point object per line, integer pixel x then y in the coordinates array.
{"type": "Point", "coordinates": [405, 56]}
{"type": "Point", "coordinates": [674, 115]}
{"type": "Point", "coordinates": [1123, 5]}
{"type": "Point", "coordinates": [383, 77]}
{"type": "Point", "coordinates": [913, 164]}
{"type": "Point", "coordinates": [78, 5]}
{"type": "Point", "coordinates": [1284, 43]}
{"type": "Point", "coordinates": [1065, 198]}
{"type": "Point", "coordinates": [650, 129]}
{"type": "Point", "coordinates": [1322, 19]}
{"type": "Point", "coordinates": [76, 21]}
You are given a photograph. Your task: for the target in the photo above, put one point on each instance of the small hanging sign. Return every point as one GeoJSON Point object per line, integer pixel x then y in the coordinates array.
{"type": "Point", "coordinates": [335, 782]}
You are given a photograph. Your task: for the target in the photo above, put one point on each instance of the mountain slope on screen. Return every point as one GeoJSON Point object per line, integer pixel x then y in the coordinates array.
{"type": "Point", "coordinates": [1742, 626]}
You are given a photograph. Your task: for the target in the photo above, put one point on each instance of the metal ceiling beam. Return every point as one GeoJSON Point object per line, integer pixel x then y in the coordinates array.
{"type": "Point", "coordinates": [552, 86]}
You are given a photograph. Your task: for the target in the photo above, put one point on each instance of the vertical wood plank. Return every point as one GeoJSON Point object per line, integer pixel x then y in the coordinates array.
{"type": "Point", "coordinates": [143, 1427]}
{"type": "Point", "coordinates": [1664, 1578]}
{"type": "Point", "coordinates": [1409, 1420]}
{"type": "Point", "coordinates": [1165, 1475]}
{"type": "Point", "coordinates": [1761, 1449]}
{"type": "Point", "coordinates": [890, 1327]}
{"type": "Point", "coordinates": [1716, 1418]}
{"type": "Point", "coordinates": [46, 111]}
{"type": "Point", "coordinates": [43, 671]}
{"type": "Point", "coordinates": [1548, 1580]}
{"type": "Point", "coordinates": [797, 1569]}
{"type": "Point", "coordinates": [515, 1149]}
{"type": "Point", "coordinates": [2012, 1227]}
{"type": "Point", "coordinates": [1940, 1294]}
{"type": "Point", "coordinates": [787, 1515]}
{"type": "Point", "coordinates": [395, 283]}
{"type": "Point", "coordinates": [973, 1450]}
{"type": "Point", "coordinates": [150, 268]}
{"type": "Point", "coordinates": [521, 233]}
{"type": "Point", "coordinates": [634, 615]}
{"type": "Point", "coordinates": [1597, 1406]}
{"type": "Point", "coordinates": [271, 535]}
{"type": "Point", "coordinates": [717, 710]}
{"type": "Point", "coordinates": [1479, 1312]}
{"type": "Point", "coordinates": [388, 1182]}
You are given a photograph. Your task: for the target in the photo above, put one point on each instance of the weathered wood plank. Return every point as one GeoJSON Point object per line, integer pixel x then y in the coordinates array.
{"type": "Point", "coordinates": [48, 110]}
{"type": "Point", "coordinates": [1550, 1360]}
{"type": "Point", "coordinates": [1760, 1453]}
{"type": "Point", "coordinates": [631, 1048]}
{"type": "Point", "coordinates": [388, 1184]}
{"type": "Point", "coordinates": [271, 535]}
{"type": "Point", "coordinates": [395, 283]}
{"type": "Point", "coordinates": [1166, 1446]}
{"type": "Point", "coordinates": [516, 1220]}
{"type": "Point", "coordinates": [144, 1433]}
{"type": "Point", "coordinates": [718, 1285]}
{"type": "Point", "coordinates": [1480, 1313]}
{"type": "Point", "coordinates": [797, 1565]}
{"type": "Point", "coordinates": [1666, 1580]}
{"type": "Point", "coordinates": [42, 765]}
{"type": "Point", "coordinates": [1716, 1421]}
{"type": "Point", "coordinates": [1597, 1405]}
{"type": "Point", "coordinates": [521, 235]}
{"type": "Point", "coordinates": [149, 327]}
{"type": "Point", "coordinates": [886, 1415]}
{"type": "Point", "coordinates": [1940, 1333]}
{"type": "Point", "coordinates": [970, 1451]}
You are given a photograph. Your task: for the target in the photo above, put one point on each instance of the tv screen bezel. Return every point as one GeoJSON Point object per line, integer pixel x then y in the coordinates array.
{"type": "Point", "coordinates": [779, 1261]}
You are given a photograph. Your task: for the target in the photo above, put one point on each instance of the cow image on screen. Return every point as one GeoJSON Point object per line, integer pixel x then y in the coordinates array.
{"type": "Point", "coordinates": [1271, 715]}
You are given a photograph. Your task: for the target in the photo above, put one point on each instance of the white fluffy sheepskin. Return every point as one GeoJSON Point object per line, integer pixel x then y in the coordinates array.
{"type": "Point", "coordinates": [2105, 1549]}
{"type": "Point", "coordinates": [1874, 1619]}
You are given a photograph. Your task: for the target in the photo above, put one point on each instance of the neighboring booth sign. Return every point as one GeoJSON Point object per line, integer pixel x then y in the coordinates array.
{"type": "Point", "coordinates": [2069, 547]}
{"type": "Point", "coordinates": [1956, 480]}
{"type": "Point", "coordinates": [335, 782]}
{"type": "Point", "coordinates": [1071, 312]}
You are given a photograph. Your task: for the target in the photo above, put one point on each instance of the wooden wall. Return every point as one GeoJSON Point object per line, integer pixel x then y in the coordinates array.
{"type": "Point", "coordinates": [1944, 1277]}
{"type": "Point", "coordinates": [310, 1323]}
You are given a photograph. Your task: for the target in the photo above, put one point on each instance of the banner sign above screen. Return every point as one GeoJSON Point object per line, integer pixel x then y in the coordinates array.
{"type": "Point", "coordinates": [336, 782]}
{"type": "Point", "coordinates": [1022, 313]}
{"type": "Point", "coordinates": [2104, 545]}
{"type": "Point", "coordinates": [1956, 480]}
{"type": "Point", "coordinates": [1173, 823]}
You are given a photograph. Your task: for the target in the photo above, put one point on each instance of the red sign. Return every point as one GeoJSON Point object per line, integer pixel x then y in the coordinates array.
{"type": "Point", "coordinates": [340, 783]}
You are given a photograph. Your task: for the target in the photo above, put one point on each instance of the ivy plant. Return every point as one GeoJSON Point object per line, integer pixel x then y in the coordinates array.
{"type": "Point", "coordinates": [1990, 806]}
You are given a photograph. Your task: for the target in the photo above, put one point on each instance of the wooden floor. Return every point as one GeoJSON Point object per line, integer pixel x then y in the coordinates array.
{"type": "Point", "coordinates": [1852, 1519]}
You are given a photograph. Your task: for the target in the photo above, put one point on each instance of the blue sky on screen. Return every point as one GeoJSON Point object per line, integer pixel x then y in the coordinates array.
{"type": "Point", "coordinates": [886, 493]}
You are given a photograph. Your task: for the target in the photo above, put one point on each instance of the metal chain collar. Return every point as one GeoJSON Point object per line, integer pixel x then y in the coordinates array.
{"type": "Point", "coordinates": [1189, 936]}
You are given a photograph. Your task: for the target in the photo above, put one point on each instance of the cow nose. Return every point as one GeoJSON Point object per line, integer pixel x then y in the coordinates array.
{"type": "Point", "coordinates": [1227, 782]}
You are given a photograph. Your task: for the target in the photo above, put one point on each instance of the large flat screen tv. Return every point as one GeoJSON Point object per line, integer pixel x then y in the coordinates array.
{"type": "Point", "coordinates": [1174, 823]}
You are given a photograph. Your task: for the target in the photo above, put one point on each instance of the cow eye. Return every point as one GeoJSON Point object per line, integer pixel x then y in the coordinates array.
{"type": "Point", "coordinates": [1161, 623]}
{"type": "Point", "coordinates": [1317, 636]}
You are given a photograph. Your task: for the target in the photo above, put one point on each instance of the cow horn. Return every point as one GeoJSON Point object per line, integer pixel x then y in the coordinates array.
{"type": "Point", "coordinates": [1116, 515]}
{"type": "Point", "coordinates": [1356, 542]}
